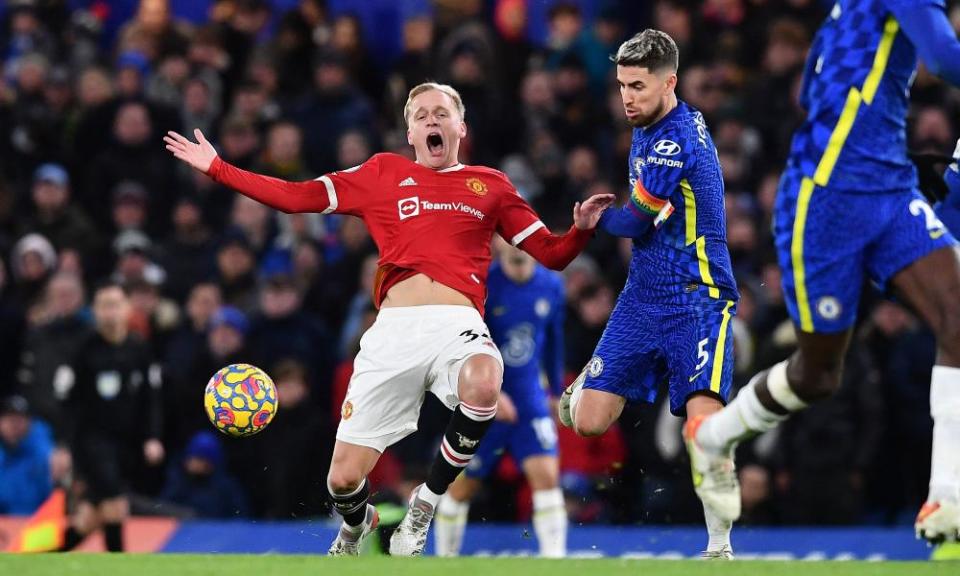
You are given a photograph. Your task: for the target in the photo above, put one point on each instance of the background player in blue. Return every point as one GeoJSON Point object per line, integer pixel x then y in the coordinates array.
{"type": "Point", "coordinates": [848, 207]}
{"type": "Point", "coordinates": [524, 311]}
{"type": "Point", "coordinates": [672, 320]}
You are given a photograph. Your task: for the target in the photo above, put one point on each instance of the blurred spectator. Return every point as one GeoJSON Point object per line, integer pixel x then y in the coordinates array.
{"type": "Point", "coordinates": [134, 252]}
{"type": "Point", "coordinates": [51, 343]}
{"type": "Point", "coordinates": [283, 155]}
{"type": "Point", "coordinates": [153, 32]}
{"type": "Point", "coordinates": [199, 482]}
{"type": "Point", "coordinates": [254, 220]}
{"type": "Point", "coordinates": [346, 36]}
{"type": "Point", "coordinates": [132, 155]}
{"type": "Point", "coordinates": [34, 261]}
{"type": "Point", "coordinates": [154, 317]}
{"type": "Point", "coordinates": [285, 466]}
{"type": "Point", "coordinates": [299, 32]}
{"type": "Point", "coordinates": [356, 310]}
{"type": "Point", "coordinates": [591, 309]}
{"type": "Point", "coordinates": [332, 107]}
{"type": "Point", "coordinates": [56, 218]}
{"type": "Point", "coordinates": [187, 255]}
{"type": "Point", "coordinates": [25, 448]}
{"type": "Point", "coordinates": [129, 206]}
{"type": "Point", "coordinates": [282, 329]}
{"type": "Point", "coordinates": [236, 271]}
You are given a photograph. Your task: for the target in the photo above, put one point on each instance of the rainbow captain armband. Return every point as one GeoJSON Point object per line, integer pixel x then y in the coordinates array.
{"type": "Point", "coordinates": [645, 204]}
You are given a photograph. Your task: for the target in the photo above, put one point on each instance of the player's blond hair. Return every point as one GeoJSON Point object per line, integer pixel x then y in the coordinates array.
{"type": "Point", "coordinates": [428, 86]}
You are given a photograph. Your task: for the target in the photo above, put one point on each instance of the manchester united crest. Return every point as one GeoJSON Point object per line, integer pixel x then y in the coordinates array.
{"type": "Point", "coordinates": [477, 186]}
{"type": "Point", "coordinates": [347, 410]}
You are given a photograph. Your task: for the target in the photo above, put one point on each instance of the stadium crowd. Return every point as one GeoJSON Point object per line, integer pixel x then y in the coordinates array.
{"type": "Point", "coordinates": [296, 89]}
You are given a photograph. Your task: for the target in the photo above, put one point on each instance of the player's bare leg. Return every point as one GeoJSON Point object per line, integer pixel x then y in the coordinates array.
{"type": "Point", "coordinates": [451, 517]}
{"type": "Point", "coordinates": [549, 507]}
{"type": "Point", "coordinates": [699, 406]}
{"type": "Point", "coordinates": [931, 286]}
{"type": "Point", "coordinates": [349, 492]}
{"type": "Point", "coordinates": [811, 374]}
{"type": "Point", "coordinates": [588, 412]}
{"type": "Point", "coordinates": [478, 387]}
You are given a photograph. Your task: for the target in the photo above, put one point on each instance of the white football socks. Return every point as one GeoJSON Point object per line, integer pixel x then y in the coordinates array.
{"type": "Point", "coordinates": [945, 459]}
{"type": "Point", "coordinates": [718, 530]}
{"type": "Point", "coordinates": [449, 524]}
{"type": "Point", "coordinates": [550, 522]}
{"type": "Point", "coordinates": [745, 417]}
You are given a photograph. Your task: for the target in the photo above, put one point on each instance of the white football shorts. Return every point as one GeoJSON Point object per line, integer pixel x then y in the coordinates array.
{"type": "Point", "coordinates": [408, 351]}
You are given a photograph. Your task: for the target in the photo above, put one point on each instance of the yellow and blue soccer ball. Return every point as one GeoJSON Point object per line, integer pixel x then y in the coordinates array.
{"type": "Point", "coordinates": [240, 400]}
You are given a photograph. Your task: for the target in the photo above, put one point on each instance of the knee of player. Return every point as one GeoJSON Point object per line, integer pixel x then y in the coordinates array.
{"type": "Point", "coordinates": [586, 424]}
{"type": "Point", "coordinates": [343, 481]}
{"type": "Point", "coordinates": [480, 380]}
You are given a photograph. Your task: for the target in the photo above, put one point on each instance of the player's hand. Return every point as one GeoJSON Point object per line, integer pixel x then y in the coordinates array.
{"type": "Point", "coordinates": [506, 410]}
{"type": "Point", "coordinates": [153, 451]}
{"type": "Point", "coordinates": [587, 214]}
{"type": "Point", "coordinates": [199, 154]}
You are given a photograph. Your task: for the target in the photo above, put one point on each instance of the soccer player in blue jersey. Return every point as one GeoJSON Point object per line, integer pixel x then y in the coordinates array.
{"type": "Point", "coordinates": [672, 320]}
{"type": "Point", "coordinates": [848, 207]}
{"type": "Point", "coordinates": [525, 312]}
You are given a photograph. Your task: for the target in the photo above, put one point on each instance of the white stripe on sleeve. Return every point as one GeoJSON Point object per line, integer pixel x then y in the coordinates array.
{"type": "Point", "coordinates": [331, 194]}
{"type": "Point", "coordinates": [526, 232]}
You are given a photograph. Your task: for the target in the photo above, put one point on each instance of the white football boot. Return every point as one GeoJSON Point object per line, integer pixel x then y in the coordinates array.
{"type": "Point", "coordinates": [725, 553]}
{"type": "Point", "coordinates": [410, 537]}
{"type": "Point", "coordinates": [938, 522]}
{"type": "Point", "coordinates": [714, 475]}
{"type": "Point", "coordinates": [347, 542]}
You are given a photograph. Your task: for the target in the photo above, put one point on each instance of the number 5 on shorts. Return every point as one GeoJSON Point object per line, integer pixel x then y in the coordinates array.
{"type": "Point", "coordinates": [702, 355]}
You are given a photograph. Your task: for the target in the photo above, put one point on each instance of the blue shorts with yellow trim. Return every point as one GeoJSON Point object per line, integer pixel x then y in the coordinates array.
{"type": "Point", "coordinates": [829, 240]}
{"type": "Point", "coordinates": [644, 343]}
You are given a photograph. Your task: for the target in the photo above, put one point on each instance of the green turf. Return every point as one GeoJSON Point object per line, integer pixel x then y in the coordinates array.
{"type": "Point", "coordinates": [269, 565]}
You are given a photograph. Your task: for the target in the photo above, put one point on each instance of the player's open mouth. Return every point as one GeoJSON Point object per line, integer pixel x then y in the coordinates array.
{"type": "Point", "coordinates": [435, 144]}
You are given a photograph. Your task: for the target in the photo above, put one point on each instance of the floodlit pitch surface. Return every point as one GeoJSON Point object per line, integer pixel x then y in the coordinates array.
{"type": "Point", "coordinates": [287, 565]}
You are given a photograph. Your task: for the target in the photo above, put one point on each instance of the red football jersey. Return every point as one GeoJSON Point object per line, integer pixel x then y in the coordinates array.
{"type": "Point", "coordinates": [435, 222]}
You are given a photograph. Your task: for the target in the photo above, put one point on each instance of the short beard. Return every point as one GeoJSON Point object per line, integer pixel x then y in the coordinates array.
{"type": "Point", "coordinates": [644, 121]}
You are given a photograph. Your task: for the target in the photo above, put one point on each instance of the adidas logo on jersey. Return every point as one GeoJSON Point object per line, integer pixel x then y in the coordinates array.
{"type": "Point", "coordinates": [408, 182]}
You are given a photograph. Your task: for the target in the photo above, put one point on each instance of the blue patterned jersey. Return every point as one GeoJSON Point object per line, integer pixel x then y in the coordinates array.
{"type": "Point", "coordinates": [856, 91]}
{"type": "Point", "coordinates": [526, 322]}
{"type": "Point", "coordinates": [675, 177]}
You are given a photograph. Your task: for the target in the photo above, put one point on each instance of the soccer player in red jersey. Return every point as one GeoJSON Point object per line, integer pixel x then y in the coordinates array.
{"type": "Point", "coordinates": [432, 221]}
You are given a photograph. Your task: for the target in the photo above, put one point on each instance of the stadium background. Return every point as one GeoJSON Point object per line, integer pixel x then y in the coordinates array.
{"type": "Point", "coordinates": [298, 88]}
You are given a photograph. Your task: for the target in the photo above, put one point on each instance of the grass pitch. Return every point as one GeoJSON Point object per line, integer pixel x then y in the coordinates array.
{"type": "Point", "coordinates": [276, 565]}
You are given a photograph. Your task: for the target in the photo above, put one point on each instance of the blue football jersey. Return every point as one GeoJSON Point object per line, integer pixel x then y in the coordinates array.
{"type": "Point", "coordinates": [675, 171]}
{"type": "Point", "coordinates": [526, 323]}
{"type": "Point", "coordinates": [856, 93]}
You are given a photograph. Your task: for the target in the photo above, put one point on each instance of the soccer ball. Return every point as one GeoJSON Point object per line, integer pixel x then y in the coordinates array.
{"type": "Point", "coordinates": [240, 400]}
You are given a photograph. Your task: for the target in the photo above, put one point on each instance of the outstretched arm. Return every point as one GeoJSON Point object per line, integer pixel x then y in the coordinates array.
{"type": "Point", "coordinates": [928, 28]}
{"type": "Point", "coordinates": [637, 216]}
{"type": "Point", "coordinates": [310, 196]}
{"type": "Point", "coordinates": [555, 251]}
